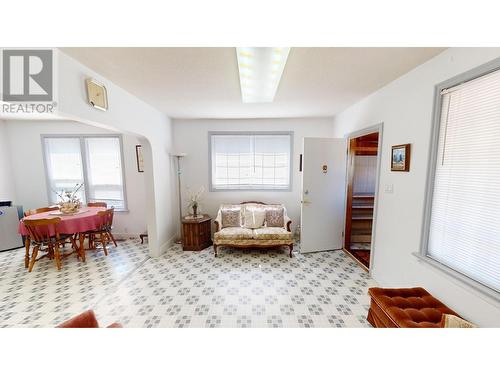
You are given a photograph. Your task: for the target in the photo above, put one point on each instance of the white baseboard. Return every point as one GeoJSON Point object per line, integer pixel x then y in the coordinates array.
{"type": "Point", "coordinates": [167, 245]}
{"type": "Point", "coordinates": [163, 248]}
{"type": "Point", "coordinates": [125, 236]}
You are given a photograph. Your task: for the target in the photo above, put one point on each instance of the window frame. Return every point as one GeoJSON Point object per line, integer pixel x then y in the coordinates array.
{"type": "Point", "coordinates": [83, 150]}
{"type": "Point", "coordinates": [250, 133]}
{"type": "Point", "coordinates": [422, 255]}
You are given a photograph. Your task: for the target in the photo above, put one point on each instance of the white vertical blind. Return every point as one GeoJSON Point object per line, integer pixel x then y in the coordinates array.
{"type": "Point", "coordinates": [104, 170]}
{"type": "Point", "coordinates": [64, 166]}
{"type": "Point", "coordinates": [251, 161]}
{"type": "Point", "coordinates": [465, 216]}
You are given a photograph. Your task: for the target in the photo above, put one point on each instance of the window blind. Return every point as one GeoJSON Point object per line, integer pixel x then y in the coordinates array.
{"type": "Point", "coordinates": [464, 231]}
{"type": "Point", "coordinates": [104, 170]}
{"type": "Point", "coordinates": [64, 166]}
{"type": "Point", "coordinates": [250, 161]}
{"type": "Point", "coordinates": [95, 161]}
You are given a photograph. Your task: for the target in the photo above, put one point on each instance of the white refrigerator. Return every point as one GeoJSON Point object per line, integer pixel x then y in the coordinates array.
{"type": "Point", "coordinates": [9, 223]}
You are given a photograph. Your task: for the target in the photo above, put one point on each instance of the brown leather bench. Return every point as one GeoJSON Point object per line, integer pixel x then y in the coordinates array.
{"type": "Point", "coordinates": [405, 308]}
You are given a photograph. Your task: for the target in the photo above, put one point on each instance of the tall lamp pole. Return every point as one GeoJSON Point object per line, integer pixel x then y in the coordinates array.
{"type": "Point", "coordinates": [179, 156]}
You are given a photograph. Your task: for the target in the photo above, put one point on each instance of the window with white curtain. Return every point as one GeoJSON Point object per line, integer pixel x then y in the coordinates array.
{"type": "Point", "coordinates": [464, 215]}
{"type": "Point", "coordinates": [250, 161]}
{"type": "Point", "coordinates": [95, 161]}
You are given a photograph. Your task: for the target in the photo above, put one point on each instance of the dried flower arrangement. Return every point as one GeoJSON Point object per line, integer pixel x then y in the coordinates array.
{"type": "Point", "coordinates": [68, 201]}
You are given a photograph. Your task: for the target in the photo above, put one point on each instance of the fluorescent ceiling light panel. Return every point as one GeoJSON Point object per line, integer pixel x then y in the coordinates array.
{"type": "Point", "coordinates": [260, 72]}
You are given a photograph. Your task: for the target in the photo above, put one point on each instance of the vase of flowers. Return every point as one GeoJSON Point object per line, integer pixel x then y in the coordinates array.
{"type": "Point", "coordinates": [69, 203]}
{"type": "Point", "coordinates": [194, 201]}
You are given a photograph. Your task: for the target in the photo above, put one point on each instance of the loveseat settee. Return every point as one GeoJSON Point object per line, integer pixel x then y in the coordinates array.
{"type": "Point", "coordinates": [253, 224]}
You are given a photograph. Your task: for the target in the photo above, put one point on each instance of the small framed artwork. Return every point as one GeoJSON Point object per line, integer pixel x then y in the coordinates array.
{"type": "Point", "coordinates": [140, 159]}
{"type": "Point", "coordinates": [400, 160]}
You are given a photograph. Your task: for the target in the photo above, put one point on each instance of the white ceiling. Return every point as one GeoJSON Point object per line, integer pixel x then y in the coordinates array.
{"type": "Point", "coordinates": [204, 82]}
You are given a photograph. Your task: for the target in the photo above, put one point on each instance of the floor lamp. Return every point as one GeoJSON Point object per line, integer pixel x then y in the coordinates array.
{"type": "Point", "coordinates": [179, 156]}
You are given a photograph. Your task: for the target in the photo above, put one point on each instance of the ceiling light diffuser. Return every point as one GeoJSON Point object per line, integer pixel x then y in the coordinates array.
{"type": "Point", "coordinates": [260, 72]}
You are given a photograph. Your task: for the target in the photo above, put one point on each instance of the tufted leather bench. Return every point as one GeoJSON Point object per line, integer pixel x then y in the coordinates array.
{"type": "Point", "coordinates": [405, 308]}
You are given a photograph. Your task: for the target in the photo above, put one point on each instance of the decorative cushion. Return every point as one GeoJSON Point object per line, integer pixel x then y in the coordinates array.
{"type": "Point", "coordinates": [275, 217]}
{"type": "Point", "coordinates": [253, 217]}
{"type": "Point", "coordinates": [231, 217]}
{"type": "Point", "coordinates": [405, 307]}
{"type": "Point", "coordinates": [234, 233]}
{"type": "Point", "coordinates": [272, 233]}
{"type": "Point", "coordinates": [453, 321]}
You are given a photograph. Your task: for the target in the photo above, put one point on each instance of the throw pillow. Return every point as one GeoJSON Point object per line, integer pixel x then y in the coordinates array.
{"type": "Point", "coordinates": [453, 321]}
{"type": "Point", "coordinates": [231, 217]}
{"type": "Point", "coordinates": [275, 217]}
{"type": "Point", "coordinates": [254, 217]}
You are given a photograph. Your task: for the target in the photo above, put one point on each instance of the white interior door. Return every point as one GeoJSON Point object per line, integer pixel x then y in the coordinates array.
{"type": "Point", "coordinates": [323, 194]}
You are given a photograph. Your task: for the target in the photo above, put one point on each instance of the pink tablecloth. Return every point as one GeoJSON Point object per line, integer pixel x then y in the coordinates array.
{"type": "Point", "coordinates": [70, 224]}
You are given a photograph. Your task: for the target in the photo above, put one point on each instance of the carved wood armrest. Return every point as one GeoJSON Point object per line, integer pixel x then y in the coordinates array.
{"type": "Point", "coordinates": [217, 221]}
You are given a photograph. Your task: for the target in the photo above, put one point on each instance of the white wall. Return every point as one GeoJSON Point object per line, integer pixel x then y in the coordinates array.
{"type": "Point", "coordinates": [127, 114]}
{"type": "Point", "coordinates": [29, 173]}
{"type": "Point", "coordinates": [191, 136]}
{"type": "Point", "coordinates": [7, 187]}
{"type": "Point", "coordinates": [405, 107]}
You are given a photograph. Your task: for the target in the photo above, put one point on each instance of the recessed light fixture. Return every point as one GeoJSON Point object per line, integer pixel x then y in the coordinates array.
{"type": "Point", "coordinates": [260, 72]}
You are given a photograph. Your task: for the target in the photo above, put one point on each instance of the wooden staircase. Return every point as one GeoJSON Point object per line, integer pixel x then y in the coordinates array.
{"type": "Point", "coordinates": [362, 219]}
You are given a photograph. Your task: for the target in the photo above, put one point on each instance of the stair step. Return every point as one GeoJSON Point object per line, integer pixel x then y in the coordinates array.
{"type": "Point", "coordinates": [363, 197]}
{"type": "Point", "coordinates": [361, 230]}
{"type": "Point", "coordinates": [361, 225]}
{"type": "Point", "coordinates": [361, 238]}
{"type": "Point", "coordinates": [362, 217]}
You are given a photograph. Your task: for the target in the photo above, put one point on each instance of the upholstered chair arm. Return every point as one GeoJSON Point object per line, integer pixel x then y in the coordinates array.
{"type": "Point", "coordinates": [218, 221]}
{"type": "Point", "coordinates": [288, 223]}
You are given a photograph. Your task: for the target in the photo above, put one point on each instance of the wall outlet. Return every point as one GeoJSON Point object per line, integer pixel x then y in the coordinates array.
{"type": "Point", "coordinates": [389, 188]}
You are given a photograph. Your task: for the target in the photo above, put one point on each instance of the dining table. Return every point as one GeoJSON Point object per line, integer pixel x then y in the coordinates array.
{"type": "Point", "coordinates": [86, 219]}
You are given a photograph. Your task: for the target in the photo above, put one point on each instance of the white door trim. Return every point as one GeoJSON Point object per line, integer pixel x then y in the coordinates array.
{"type": "Point", "coordinates": [371, 129]}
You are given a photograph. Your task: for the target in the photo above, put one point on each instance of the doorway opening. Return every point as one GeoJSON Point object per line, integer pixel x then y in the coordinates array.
{"type": "Point", "coordinates": [362, 180]}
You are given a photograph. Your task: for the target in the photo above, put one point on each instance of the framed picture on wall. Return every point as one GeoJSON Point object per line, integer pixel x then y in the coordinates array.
{"type": "Point", "coordinates": [400, 160]}
{"type": "Point", "coordinates": [140, 159]}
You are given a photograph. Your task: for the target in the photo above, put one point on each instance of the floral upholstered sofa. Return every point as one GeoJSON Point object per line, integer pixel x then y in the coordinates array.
{"type": "Point", "coordinates": [252, 224]}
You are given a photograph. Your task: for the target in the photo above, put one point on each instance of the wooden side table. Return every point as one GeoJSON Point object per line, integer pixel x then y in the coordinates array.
{"type": "Point", "coordinates": [196, 233]}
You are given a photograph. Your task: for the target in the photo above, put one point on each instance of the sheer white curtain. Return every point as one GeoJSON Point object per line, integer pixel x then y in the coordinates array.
{"type": "Point", "coordinates": [465, 216]}
{"type": "Point", "coordinates": [251, 161]}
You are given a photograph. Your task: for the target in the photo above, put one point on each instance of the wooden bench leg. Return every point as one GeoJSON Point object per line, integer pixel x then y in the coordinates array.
{"type": "Point", "coordinates": [291, 249]}
{"type": "Point", "coordinates": [215, 249]}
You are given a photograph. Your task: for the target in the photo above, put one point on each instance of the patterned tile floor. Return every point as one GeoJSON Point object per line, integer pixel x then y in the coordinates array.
{"type": "Point", "coordinates": [254, 288]}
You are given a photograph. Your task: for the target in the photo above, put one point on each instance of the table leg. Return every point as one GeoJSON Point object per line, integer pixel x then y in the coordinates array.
{"type": "Point", "coordinates": [82, 249]}
{"type": "Point", "coordinates": [27, 243]}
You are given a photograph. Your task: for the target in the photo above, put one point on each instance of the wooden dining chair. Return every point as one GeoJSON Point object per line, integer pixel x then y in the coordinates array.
{"type": "Point", "coordinates": [44, 236]}
{"type": "Point", "coordinates": [103, 233]}
{"type": "Point", "coordinates": [97, 204]}
{"type": "Point", "coordinates": [27, 240]}
{"type": "Point", "coordinates": [40, 210]}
